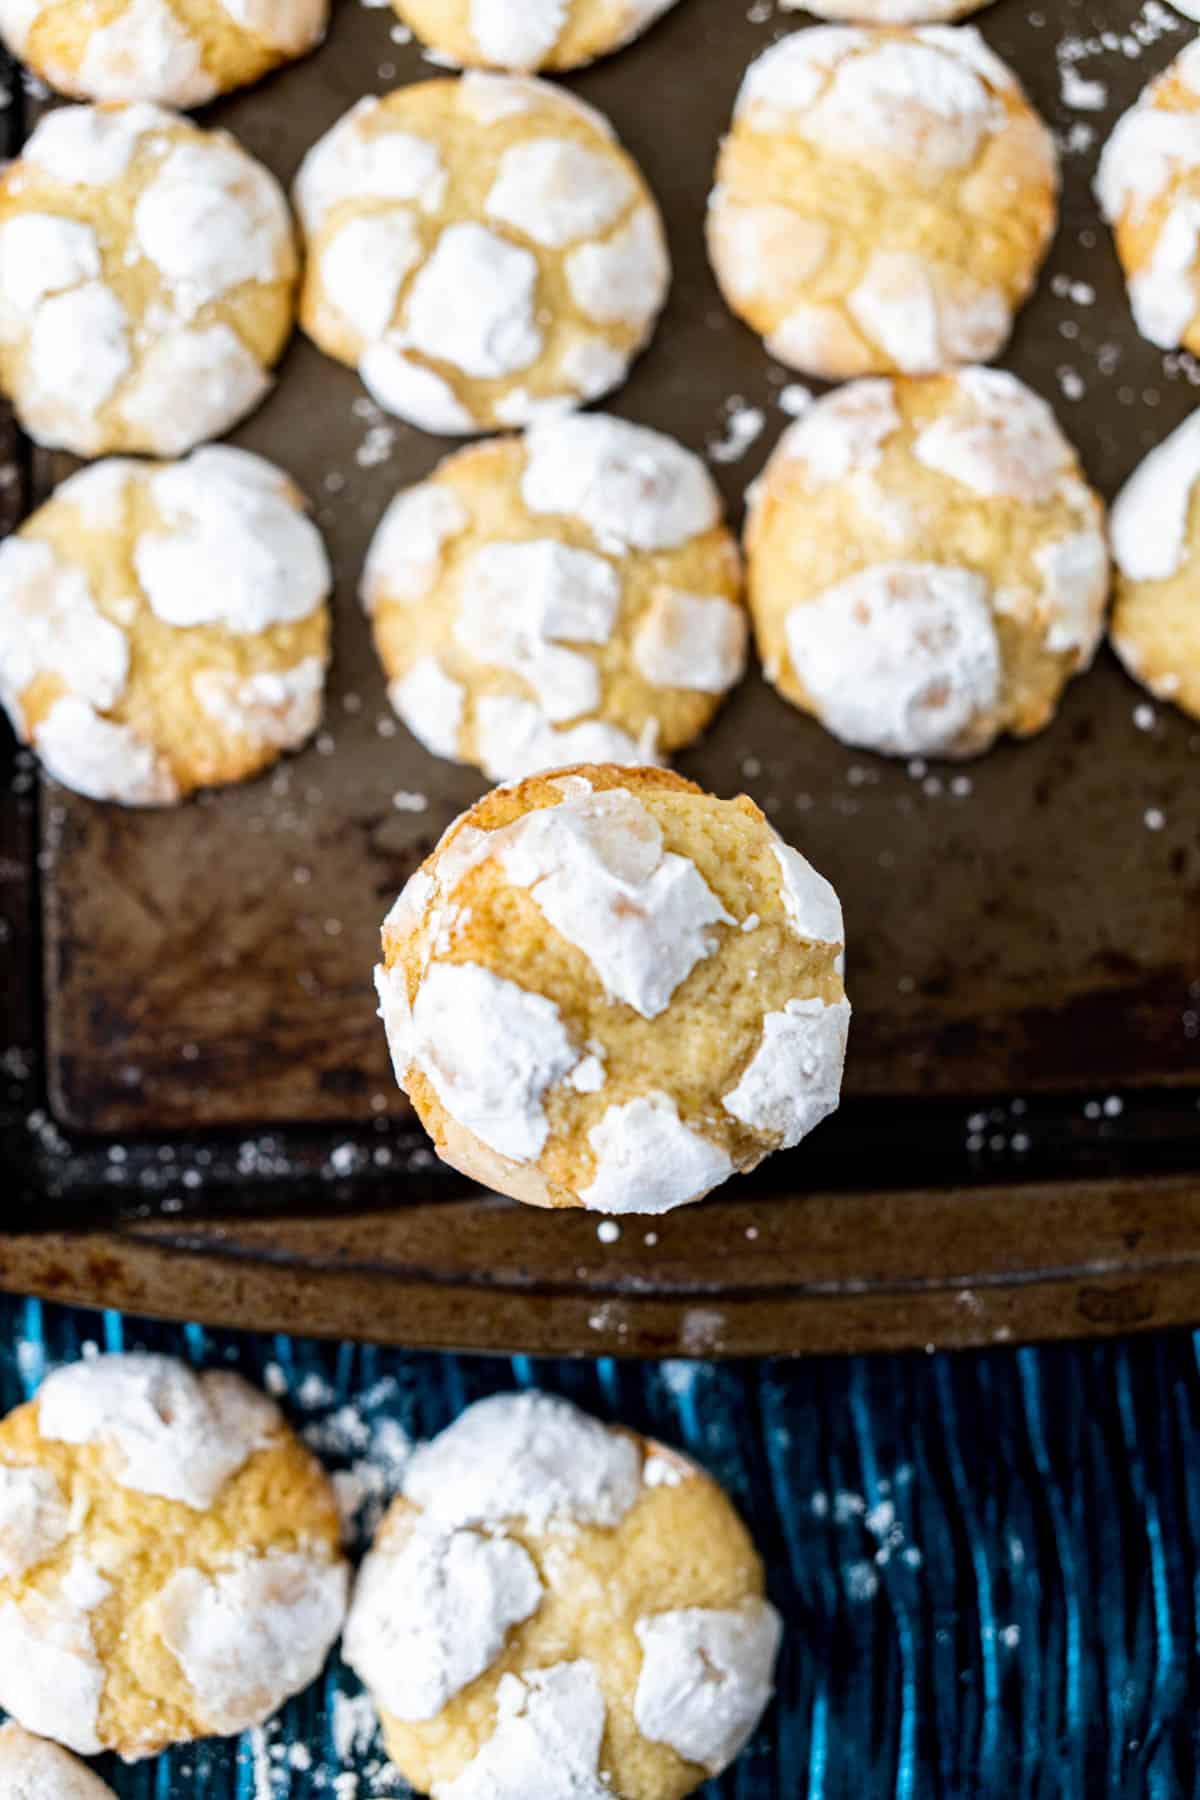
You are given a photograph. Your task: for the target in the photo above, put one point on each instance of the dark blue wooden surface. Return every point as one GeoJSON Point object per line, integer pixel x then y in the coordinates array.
{"type": "Point", "coordinates": [988, 1563]}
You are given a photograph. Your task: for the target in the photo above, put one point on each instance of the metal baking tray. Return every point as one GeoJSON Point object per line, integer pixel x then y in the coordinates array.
{"type": "Point", "coordinates": [199, 1119]}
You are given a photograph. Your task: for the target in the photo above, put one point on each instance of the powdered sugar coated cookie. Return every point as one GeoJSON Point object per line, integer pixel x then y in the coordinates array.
{"type": "Point", "coordinates": [883, 201]}
{"type": "Point", "coordinates": [164, 626]}
{"type": "Point", "coordinates": [169, 1558]}
{"type": "Point", "coordinates": [476, 1627]}
{"type": "Point", "coordinates": [926, 564]}
{"type": "Point", "coordinates": [570, 595]}
{"type": "Point", "coordinates": [482, 250]}
{"type": "Point", "coordinates": [607, 989]}
{"type": "Point", "coordinates": [147, 278]}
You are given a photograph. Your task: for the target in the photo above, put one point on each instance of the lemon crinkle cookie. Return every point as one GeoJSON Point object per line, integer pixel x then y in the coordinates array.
{"type": "Point", "coordinates": [169, 1557]}
{"type": "Point", "coordinates": [1156, 548]}
{"type": "Point", "coordinates": [482, 250]}
{"type": "Point", "coordinates": [606, 988]}
{"type": "Point", "coordinates": [164, 626]}
{"type": "Point", "coordinates": [883, 201]}
{"type": "Point", "coordinates": [926, 565]}
{"type": "Point", "coordinates": [887, 12]}
{"type": "Point", "coordinates": [180, 52]}
{"type": "Point", "coordinates": [568, 596]}
{"type": "Point", "coordinates": [524, 35]}
{"type": "Point", "coordinates": [1148, 186]}
{"type": "Point", "coordinates": [32, 1768]}
{"type": "Point", "coordinates": [147, 280]}
{"type": "Point", "coordinates": [554, 1609]}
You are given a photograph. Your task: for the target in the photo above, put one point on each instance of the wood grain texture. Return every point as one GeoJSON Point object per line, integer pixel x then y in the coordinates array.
{"type": "Point", "coordinates": [1020, 934]}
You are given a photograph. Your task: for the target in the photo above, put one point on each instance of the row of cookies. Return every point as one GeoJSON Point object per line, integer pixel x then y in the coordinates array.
{"type": "Point", "coordinates": [484, 251]}
{"type": "Point", "coordinates": [551, 1607]}
{"type": "Point", "coordinates": [926, 568]}
{"type": "Point", "coordinates": [177, 55]}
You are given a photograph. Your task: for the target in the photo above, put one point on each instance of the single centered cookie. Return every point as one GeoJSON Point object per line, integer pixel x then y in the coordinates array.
{"type": "Point", "coordinates": [883, 201]}
{"type": "Point", "coordinates": [180, 52]}
{"type": "Point", "coordinates": [1156, 548]}
{"type": "Point", "coordinates": [558, 1610]}
{"type": "Point", "coordinates": [1148, 186]}
{"type": "Point", "coordinates": [566, 596]}
{"type": "Point", "coordinates": [147, 281]}
{"type": "Point", "coordinates": [482, 250]}
{"type": "Point", "coordinates": [31, 1768]}
{"type": "Point", "coordinates": [606, 988]}
{"type": "Point", "coordinates": [164, 627]}
{"type": "Point", "coordinates": [524, 35]}
{"type": "Point", "coordinates": [169, 1560]}
{"type": "Point", "coordinates": [926, 564]}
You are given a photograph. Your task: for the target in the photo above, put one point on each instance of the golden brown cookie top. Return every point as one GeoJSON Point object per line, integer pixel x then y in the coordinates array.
{"type": "Point", "coordinates": [607, 988]}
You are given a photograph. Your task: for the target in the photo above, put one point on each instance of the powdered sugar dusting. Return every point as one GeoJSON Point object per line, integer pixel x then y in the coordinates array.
{"type": "Point", "coordinates": [706, 1679]}
{"type": "Point", "coordinates": [794, 1078]}
{"type": "Point", "coordinates": [649, 1161]}
{"type": "Point", "coordinates": [431, 1611]}
{"type": "Point", "coordinates": [526, 1456]}
{"type": "Point", "coordinates": [167, 1431]}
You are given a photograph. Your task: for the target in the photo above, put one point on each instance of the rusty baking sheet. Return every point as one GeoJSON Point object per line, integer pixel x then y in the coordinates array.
{"type": "Point", "coordinates": [1023, 946]}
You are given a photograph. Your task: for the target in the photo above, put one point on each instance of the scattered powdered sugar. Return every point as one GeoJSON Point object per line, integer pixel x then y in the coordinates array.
{"type": "Point", "coordinates": [1149, 517]}
{"type": "Point", "coordinates": [631, 487]}
{"type": "Point", "coordinates": [692, 641]}
{"type": "Point", "coordinates": [596, 867]}
{"type": "Point", "coordinates": [549, 1729]}
{"type": "Point", "coordinates": [901, 657]}
{"type": "Point", "coordinates": [33, 1769]}
{"type": "Point", "coordinates": [235, 547]}
{"type": "Point", "coordinates": [432, 1608]}
{"type": "Point", "coordinates": [706, 1679]}
{"type": "Point", "coordinates": [34, 1518]}
{"type": "Point", "coordinates": [247, 1638]}
{"type": "Point", "coordinates": [742, 426]}
{"type": "Point", "coordinates": [168, 1431]}
{"type": "Point", "coordinates": [529, 1456]}
{"type": "Point", "coordinates": [51, 1678]}
{"type": "Point", "coordinates": [649, 1161]}
{"type": "Point", "coordinates": [794, 1078]}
